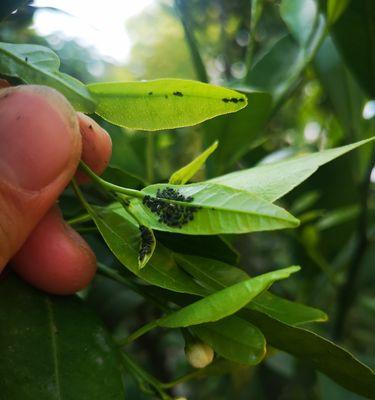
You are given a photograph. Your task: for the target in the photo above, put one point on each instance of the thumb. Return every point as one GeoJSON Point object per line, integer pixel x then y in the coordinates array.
{"type": "Point", "coordinates": [40, 146]}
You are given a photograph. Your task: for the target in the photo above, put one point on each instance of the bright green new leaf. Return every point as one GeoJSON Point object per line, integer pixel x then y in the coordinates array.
{"type": "Point", "coordinates": [224, 302]}
{"type": "Point", "coordinates": [39, 65]}
{"type": "Point", "coordinates": [234, 339]}
{"type": "Point", "coordinates": [163, 103]}
{"type": "Point", "coordinates": [322, 354]}
{"type": "Point", "coordinates": [52, 347]}
{"type": "Point", "coordinates": [221, 210]}
{"type": "Point", "coordinates": [215, 275]}
{"type": "Point", "coordinates": [184, 174]}
{"type": "Point", "coordinates": [272, 181]}
{"type": "Point", "coordinates": [121, 233]}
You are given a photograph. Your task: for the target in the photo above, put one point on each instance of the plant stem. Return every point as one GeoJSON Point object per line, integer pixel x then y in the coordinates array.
{"type": "Point", "coordinates": [347, 293]}
{"type": "Point", "coordinates": [138, 333]}
{"type": "Point", "coordinates": [114, 275]}
{"type": "Point", "coordinates": [110, 186]}
{"type": "Point", "coordinates": [150, 157]}
{"type": "Point", "coordinates": [143, 376]}
{"type": "Point", "coordinates": [79, 219]}
{"type": "Point", "coordinates": [185, 378]}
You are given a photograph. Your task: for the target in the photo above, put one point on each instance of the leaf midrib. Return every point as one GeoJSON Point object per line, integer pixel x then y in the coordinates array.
{"type": "Point", "coordinates": [52, 328]}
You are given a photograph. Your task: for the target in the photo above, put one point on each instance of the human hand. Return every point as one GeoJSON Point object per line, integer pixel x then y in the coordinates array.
{"type": "Point", "coordinates": [41, 142]}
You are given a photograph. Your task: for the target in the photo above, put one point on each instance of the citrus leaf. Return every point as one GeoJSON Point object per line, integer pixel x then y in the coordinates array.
{"type": "Point", "coordinates": [234, 339]}
{"type": "Point", "coordinates": [39, 65]}
{"type": "Point", "coordinates": [121, 233]}
{"type": "Point", "coordinates": [163, 103]}
{"type": "Point", "coordinates": [185, 173]}
{"type": "Point", "coordinates": [225, 302]}
{"type": "Point", "coordinates": [221, 209]}
{"type": "Point", "coordinates": [272, 181]}
{"type": "Point", "coordinates": [215, 275]}
{"type": "Point", "coordinates": [54, 348]}
{"type": "Point", "coordinates": [321, 353]}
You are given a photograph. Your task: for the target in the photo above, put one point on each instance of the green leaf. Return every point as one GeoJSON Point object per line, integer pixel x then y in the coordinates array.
{"type": "Point", "coordinates": [343, 91]}
{"type": "Point", "coordinates": [224, 302]}
{"type": "Point", "coordinates": [300, 17]}
{"type": "Point", "coordinates": [272, 181]}
{"type": "Point", "coordinates": [39, 65]}
{"type": "Point", "coordinates": [121, 234]}
{"type": "Point", "coordinates": [335, 8]}
{"type": "Point", "coordinates": [221, 210]}
{"type": "Point", "coordinates": [273, 72]}
{"type": "Point", "coordinates": [354, 34]}
{"type": "Point", "coordinates": [234, 339]}
{"type": "Point", "coordinates": [53, 348]}
{"type": "Point", "coordinates": [163, 103]}
{"type": "Point", "coordinates": [212, 246]}
{"type": "Point", "coordinates": [146, 247]}
{"type": "Point", "coordinates": [322, 354]}
{"type": "Point", "coordinates": [184, 174]}
{"type": "Point", "coordinates": [215, 275]}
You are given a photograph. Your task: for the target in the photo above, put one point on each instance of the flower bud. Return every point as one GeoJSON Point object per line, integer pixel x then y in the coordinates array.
{"type": "Point", "coordinates": [199, 354]}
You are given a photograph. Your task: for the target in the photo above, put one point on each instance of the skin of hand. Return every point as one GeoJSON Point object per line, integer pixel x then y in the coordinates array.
{"type": "Point", "coordinates": [42, 140]}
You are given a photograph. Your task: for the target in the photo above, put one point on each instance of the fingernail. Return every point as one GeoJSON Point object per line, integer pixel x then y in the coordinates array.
{"type": "Point", "coordinates": [36, 136]}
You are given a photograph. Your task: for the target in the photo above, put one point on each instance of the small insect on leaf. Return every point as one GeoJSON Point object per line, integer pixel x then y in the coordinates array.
{"type": "Point", "coordinates": [171, 213]}
{"type": "Point", "coordinates": [147, 245]}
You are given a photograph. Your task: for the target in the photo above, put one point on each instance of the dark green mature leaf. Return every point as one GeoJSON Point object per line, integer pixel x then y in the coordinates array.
{"type": "Point", "coordinates": [163, 103]}
{"type": "Point", "coordinates": [344, 93]}
{"type": "Point", "coordinates": [8, 6]}
{"type": "Point", "coordinates": [288, 58]}
{"type": "Point", "coordinates": [36, 64]}
{"type": "Point", "coordinates": [212, 246]}
{"type": "Point", "coordinates": [221, 210]}
{"type": "Point", "coordinates": [225, 302]}
{"type": "Point", "coordinates": [322, 354]}
{"type": "Point", "coordinates": [237, 132]}
{"type": "Point", "coordinates": [354, 34]}
{"type": "Point", "coordinates": [272, 181]}
{"type": "Point", "coordinates": [121, 234]}
{"type": "Point", "coordinates": [300, 16]}
{"type": "Point", "coordinates": [234, 339]}
{"type": "Point", "coordinates": [215, 275]}
{"type": "Point", "coordinates": [46, 355]}
{"type": "Point", "coordinates": [184, 174]}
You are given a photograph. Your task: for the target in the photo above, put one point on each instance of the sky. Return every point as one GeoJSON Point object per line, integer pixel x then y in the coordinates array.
{"type": "Point", "coordinates": [96, 23]}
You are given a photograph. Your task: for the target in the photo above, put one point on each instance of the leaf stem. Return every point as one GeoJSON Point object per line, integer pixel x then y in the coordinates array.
{"type": "Point", "coordinates": [138, 333]}
{"type": "Point", "coordinates": [124, 280]}
{"type": "Point", "coordinates": [79, 219]}
{"type": "Point", "coordinates": [110, 186]}
{"type": "Point", "coordinates": [150, 157]}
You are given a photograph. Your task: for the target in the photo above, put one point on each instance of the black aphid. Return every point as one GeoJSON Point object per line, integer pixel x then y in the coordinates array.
{"type": "Point", "coordinates": [147, 242]}
{"type": "Point", "coordinates": [179, 94]}
{"type": "Point", "coordinates": [171, 214]}
{"type": "Point", "coordinates": [26, 59]}
{"type": "Point", "coordinates": [150, 93]}
{"type": "Point", "coordinates": [233, 100]}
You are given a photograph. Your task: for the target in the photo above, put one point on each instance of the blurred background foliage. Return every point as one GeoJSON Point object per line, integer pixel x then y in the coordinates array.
{"type": "Point", "coordinates": [309, 77]}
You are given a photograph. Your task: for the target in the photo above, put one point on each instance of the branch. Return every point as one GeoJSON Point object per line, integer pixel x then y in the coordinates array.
{"type": "Point", "coordinates": [347, 294]}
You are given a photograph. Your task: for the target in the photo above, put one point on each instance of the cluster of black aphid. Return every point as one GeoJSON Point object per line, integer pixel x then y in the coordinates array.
{"type": "Point", "coordinates": [233, 100]}
{"type": "Point", "coordinates": [171, 214]}
{"type": "Point", "coordinates": [147, 241]}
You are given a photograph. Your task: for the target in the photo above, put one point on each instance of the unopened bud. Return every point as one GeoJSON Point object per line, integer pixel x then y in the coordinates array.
{"type": "Point", "coordinates": [199, 354]}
